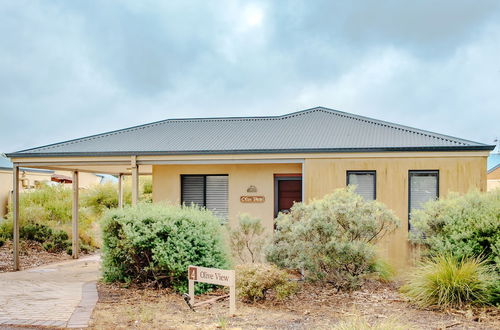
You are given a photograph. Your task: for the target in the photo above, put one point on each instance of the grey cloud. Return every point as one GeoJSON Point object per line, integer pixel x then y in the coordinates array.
{"type": "Point", "coordinates": [73, 68]}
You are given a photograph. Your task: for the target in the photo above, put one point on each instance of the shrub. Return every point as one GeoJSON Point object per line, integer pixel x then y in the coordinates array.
{"type": "Point", "coordinates": [6, 229]}
{"type": "Point", "coordinates": [52, 240]}
{"type": "Point", "coordinates": [332, 238]}
{"type": "Point", "coordinates": [101, 197]}
{"type": "Point", "coordinates": [156, 243]}
{"type": "Point", "coordinates": [463, 226]}
{"type": "Point", "coordinates": [35, 232]}
{"type": "Point", "coordinates": [445, 281]}
{"type": "Point", "coordinates": [255, 281]}
{"type": "Point", "coordinates": [383, 271]}
{"type": "Point", "coordinates": [2, 241]}
{"type": "Point", "coordinates": [51, 207]}
{"type": "Point", "coordinates": [247, 239]}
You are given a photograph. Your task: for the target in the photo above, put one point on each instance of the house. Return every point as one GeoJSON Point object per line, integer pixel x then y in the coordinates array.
{"type": "Point", "coordinates": [31, 178]}
{"type": "Point", "coordinates": [261, 165]}
{"type": "Point", "coordinates": [493, 176]}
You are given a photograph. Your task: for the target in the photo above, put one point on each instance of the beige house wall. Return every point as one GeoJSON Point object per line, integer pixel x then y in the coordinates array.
{"type": "Point", "coordinates": [455, 174]}
{"type": "Point", "coordinates": [322, 176]}
{"type": "Point", "coordinates": [167, 185]}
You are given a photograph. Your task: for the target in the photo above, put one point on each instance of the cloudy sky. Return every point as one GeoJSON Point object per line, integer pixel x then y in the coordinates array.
{"type": "Point", "coordinates": [75, 68]}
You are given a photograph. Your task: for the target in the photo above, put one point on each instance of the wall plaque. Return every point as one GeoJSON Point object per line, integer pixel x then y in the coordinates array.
{"type": "Point", "coordinates": [252, 199]}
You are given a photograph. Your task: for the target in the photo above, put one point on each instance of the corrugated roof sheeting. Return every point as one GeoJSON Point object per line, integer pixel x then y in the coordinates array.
{"type": "Point", "coordinates": [317, 128]}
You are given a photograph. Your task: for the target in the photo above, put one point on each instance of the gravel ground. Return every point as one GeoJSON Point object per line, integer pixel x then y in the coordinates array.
{"type": "Point", "coordinates": [315, 307]}
{"type": "Point", "coordinates": [31, 255]}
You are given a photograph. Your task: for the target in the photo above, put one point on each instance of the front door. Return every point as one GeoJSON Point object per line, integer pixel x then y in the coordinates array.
{"type": "Point", "coordinates": [288, 190]}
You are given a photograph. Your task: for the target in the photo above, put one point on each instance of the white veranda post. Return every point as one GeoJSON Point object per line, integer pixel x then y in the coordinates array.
{"type": "Point", "coordinates": [15, 214]}
{"type": "Point", "coordinates": [75, 240]}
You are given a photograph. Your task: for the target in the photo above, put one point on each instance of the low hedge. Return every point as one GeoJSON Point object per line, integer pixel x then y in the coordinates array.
{"type": "Point", "coordinates": [155, 244]}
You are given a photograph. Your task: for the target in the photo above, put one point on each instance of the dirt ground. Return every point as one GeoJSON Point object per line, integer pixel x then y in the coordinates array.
{"type": "Point", "coordinates": [314, 307]}
{"type": "Point", "coordinates": [31, 255]}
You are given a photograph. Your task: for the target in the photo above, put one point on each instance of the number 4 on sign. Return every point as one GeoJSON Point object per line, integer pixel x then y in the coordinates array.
{"type": "Point", "coordinates": [213, 276]}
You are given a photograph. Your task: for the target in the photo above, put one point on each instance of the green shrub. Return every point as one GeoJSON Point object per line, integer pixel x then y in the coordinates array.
{"type": "Point", "coordinates": [382, 270]}
{"type": "Point", "coordinates": [463, 226]}
{"type": "Point", "coordinates": [101, 197]}
{"type": "Point", "coordinates": [2, 241]}
{"type": "Point", "coordinates": [52, 240]}
{"type": "Point", "coordinates": [35, 232]}
{"type": "Point", "coordinates": [445, 281]}
{"type": "Point", "coordinates": [255, 282]}
{"type": "Point", "coordinates": [332, 238]}
{"type": "Point", "coordinates": [248, 239]}
{"type": "Point", "coordinates": [51, 207]}
{"type": "Point", "coordinates": [6, 229]}
{"type": "Point", "coordinates": [156, 243]}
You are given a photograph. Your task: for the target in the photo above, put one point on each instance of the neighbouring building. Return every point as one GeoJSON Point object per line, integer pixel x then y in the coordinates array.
{"type": "Point", "coordinates": [493, 176]}
{"type": "Point", "coordinates": [262, 165]}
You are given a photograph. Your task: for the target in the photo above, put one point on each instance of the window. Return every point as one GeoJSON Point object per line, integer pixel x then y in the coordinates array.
{"type": "Point", "coordinates": [365, 183]}
{"type": "Point", "coordinates": [423, 186]}
{"type": "Point", "coordinates": [209, 191]}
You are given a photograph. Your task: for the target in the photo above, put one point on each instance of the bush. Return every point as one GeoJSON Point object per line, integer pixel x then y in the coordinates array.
{"type": "Point", "coordinates": [156, 243]}
{"type": "Point", "coordinates": [463, 226]}
{"type": "Point", "coordinates": [255, 282]}
{"type": "Point", "coordinates": [101, 197]}
{"type": "Point", "coordinates": [247, 239]}
{"type": "Point", "coordinates": [445, 281]}
{"type": "Point", "coordinates": [51, 207]}
{"type": "Point", "coordinates": [332, 238]}
{"type": "Point", "coordinates": [52, 240]}
{"type": "Point", "coordinates": [35, 232]}
{"type": "Point", "coordinates": [383, 271]}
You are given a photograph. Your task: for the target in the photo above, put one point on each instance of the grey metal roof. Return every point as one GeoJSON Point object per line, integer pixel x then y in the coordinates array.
{"type": "Point", "coordinates": [313, 130]}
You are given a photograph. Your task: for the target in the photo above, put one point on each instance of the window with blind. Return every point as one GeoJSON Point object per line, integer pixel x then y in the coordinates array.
{"type": "Point", "coordinates": [209, 191]}
{"type": "Point", "coordinates": [423, 186]}
{"type": "Point", "coordinates": [364, 182]}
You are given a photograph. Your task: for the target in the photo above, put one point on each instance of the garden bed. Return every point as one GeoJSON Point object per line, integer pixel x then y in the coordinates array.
{"type": "Point", "coordinates": [313, 307]}
{"type": "Point", "coordinates": [32, 254]}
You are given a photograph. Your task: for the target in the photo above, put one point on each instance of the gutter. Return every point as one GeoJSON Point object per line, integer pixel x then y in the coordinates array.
{"type": "Point", "coordinates": [248, 151]}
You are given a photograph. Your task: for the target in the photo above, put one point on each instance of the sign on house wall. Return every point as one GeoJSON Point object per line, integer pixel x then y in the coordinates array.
{"type": "Point", "coordinates": [213, 276]}
{"type": "Point", "coordinates": [252, 199]}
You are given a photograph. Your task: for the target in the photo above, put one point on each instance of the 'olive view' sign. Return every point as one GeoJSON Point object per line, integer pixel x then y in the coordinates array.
{"type": "Point", "coordinates": [252, 199]}
{"type": "Point", "coordinates": [213, 276]}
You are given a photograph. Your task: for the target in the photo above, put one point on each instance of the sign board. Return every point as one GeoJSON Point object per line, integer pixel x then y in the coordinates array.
{"type": "Point", "coordinates": [252, 199]}
{"type": "Point", "coordinates": [213, 276]}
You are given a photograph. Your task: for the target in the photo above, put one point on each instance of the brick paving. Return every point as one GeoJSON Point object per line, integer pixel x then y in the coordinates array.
{"type": "Point", "coordinates": [56, 295]}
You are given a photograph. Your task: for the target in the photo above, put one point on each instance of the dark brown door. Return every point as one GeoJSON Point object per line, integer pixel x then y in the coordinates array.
{"type": "Point", "coordinates": [288, 192]}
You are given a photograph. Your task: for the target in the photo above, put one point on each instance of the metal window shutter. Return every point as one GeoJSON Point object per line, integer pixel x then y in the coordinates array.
{"type": "Point", "coordinates": [192, 190]}
{"type": "Point", "coordinates": [365, 184]}
{"type": "Point", "coordinates": [424, 188]}
{"type": "Point", "coordinates": [217, 195]}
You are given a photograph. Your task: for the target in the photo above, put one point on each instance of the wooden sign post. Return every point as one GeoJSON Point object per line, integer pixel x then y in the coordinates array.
{"type": "Point", "coordinates": [213, 276]}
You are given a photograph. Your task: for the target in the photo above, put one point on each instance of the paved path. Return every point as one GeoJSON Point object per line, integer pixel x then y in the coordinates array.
{"type": "Point", "coordinates": [56, 295]}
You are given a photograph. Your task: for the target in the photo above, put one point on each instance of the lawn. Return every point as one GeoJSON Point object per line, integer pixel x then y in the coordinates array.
{"type": "Point", "coordinates": [314, 307]}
